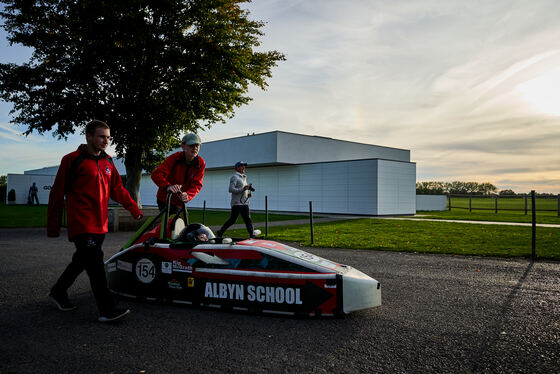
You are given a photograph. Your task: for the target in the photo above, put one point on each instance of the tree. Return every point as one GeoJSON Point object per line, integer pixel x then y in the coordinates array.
{"type": "Point", "coordinates": [455, 188]}
{"type": "Point", "coordinates": [430, 188]}
{"type": "Point", "coordinates": [151, 69]}
{"type": "Point", "coordinates": [507, 193]}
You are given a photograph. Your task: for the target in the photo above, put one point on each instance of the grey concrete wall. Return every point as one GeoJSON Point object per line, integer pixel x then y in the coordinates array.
{"type": "Point", "coordinates": [21, 183]}
{"type": "Point", "coordinates": [397, 188]}
{"type": "Point", "coordinates": [431, 202]}
{"type": "Point", "coordinates": [347, 187]}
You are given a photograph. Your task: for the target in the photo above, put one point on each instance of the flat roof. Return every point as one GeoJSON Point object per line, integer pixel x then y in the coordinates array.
{"type": "Point", "coordinates": [278, 148]}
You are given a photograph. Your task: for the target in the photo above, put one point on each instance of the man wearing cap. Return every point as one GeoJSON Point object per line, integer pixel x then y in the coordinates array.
{"type": "Point", "coordinates": [240, 195]}
{"type": "Point", "coordinates": [181, 174]}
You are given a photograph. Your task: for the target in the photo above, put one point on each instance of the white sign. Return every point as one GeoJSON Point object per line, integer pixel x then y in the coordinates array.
{"type": "Point", "coordinates": [166, 267]}
{"type": "Point", "coordinates": [260, 294]}
{"type": "Point", "coordinates": [145, 270]}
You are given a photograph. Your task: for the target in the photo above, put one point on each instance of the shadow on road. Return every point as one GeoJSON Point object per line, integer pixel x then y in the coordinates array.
{"type": "Point", "coordinates": [500, 323]}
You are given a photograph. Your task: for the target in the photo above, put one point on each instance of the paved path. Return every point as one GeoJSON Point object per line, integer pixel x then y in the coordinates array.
{"type": "Point", "coordinates": [440, 314]}
{"type": "Point", "coordinates": [260, 225]}
{"type": "Point", "coordinates": [472, 222]}
{"type": "Point", "coordinates": [339, 217]}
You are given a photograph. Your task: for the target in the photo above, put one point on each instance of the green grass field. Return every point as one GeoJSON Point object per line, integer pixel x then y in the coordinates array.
{"type": "Point", "coordinates": [377, 234]}
{"type": "Point", "coordinates": [543, 205]}
{"type": "Point", "coordinates": [36, 216]}
{"type": "Point", "coordinates": [459, 210]}
{"type": "Point", "coordinates": [457, 214]}
{"type": "Point", "coordinates": [424, 237]}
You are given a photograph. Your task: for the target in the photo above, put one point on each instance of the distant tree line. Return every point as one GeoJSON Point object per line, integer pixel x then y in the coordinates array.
{"type": "Point", "coordinates": [455, 188]}
{"type": "Point", "coordinates": [467, 188]}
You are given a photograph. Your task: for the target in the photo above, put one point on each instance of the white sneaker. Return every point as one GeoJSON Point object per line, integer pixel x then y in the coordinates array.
{"type": "Point", "coordinates": [114, 315]}
{"type": "Point", "coordinates": [256, 232]}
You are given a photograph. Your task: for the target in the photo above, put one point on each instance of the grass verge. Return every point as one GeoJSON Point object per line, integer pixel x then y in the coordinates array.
{"type": "Point", "coordinates": [423, 237]}
{"type": "Point", "coordinates": [12, 216]}
{"type": "Point", "coordinates": [501, 216]}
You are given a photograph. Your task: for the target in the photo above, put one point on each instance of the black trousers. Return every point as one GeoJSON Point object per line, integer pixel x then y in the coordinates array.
{"type": "Point", "coordinates": [88, 257]}
{"type": "Point", "coordinates": [236, 210]}
{"type": "Point", "coordinates": [34, 198]}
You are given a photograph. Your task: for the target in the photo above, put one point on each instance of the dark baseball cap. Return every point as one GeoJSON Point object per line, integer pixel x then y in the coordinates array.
{"type": "Point", "coordinates": [240, 163]}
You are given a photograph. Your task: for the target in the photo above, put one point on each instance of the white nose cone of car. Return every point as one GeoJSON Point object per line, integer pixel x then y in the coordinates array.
{"type": "Point", "coordinates": [360, 291]}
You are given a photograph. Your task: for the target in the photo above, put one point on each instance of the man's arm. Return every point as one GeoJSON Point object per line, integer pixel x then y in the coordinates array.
{"type": "Point", "coordinates": [121, 195]}
{"type": "Point", "coordinates": [236, 185]}
{"type": "Point", "coordinates": [161, 173]}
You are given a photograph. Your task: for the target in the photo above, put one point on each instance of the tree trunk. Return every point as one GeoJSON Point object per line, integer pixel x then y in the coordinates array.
{"type": "Point", "coordinates": [133, 164]}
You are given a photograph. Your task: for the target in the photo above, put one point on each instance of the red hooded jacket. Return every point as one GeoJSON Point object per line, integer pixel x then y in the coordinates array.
{"type": "Point", "coordinates": [175, 170]}
{"type": "Point", "coordinates": [87, 182]}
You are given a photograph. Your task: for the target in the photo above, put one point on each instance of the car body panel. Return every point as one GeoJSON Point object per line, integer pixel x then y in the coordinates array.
{"type": "Point", "coordinates": [253, 275]}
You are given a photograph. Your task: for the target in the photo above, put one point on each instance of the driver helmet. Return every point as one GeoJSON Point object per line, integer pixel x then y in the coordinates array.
{"type": "Point", "coordinates": [197, 233]}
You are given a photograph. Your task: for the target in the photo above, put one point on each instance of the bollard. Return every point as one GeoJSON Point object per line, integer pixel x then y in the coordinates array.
{"type": "Point", "coordinates": [525, 205]}
{"type": "Point", "coordinates": [311, 221]}
{"type": "Point", "coordinates": [204, 213]}
{"type": "Point", "coordinates": [534, 225]}
{"type": "Point", "coordinates": [266, 216]}
{"type": "Point", "coordinates": [496, 203]}
{"type": "Point", "coordinates": [470, 203]}
{"type": "Point", "coordinates": [449, 202]}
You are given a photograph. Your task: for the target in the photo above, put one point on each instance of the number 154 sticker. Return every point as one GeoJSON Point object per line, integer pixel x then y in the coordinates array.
{"type": "Point", "coordinates": [145, 270]}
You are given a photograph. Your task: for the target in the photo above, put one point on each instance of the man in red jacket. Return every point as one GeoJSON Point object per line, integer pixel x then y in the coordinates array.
{"type": "Point", "coordinates": [181, 174]}
{"type": "Point", "coordinates": [88, 178]}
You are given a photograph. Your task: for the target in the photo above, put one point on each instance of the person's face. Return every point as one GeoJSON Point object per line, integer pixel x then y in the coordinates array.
{"type": "Point", "coordinates": [99, 141]}
{"type": "Point", "coordinates": [191, 151]}
{"type": "Point", "coordinates": [241, 169]}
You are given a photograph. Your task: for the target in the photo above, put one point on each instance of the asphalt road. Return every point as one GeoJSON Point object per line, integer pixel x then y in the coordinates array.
{"type": "Point", "coordinates": [440, 314]}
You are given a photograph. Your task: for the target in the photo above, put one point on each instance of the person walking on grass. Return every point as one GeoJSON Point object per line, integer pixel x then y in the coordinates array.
{"type": "Point", "coordinates": [87, 178]}
{"type": "Point", "coordinates": [240, 194]}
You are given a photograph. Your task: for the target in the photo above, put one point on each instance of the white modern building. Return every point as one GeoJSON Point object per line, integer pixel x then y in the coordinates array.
{"type": "Point", "coordinates": [291, 170]}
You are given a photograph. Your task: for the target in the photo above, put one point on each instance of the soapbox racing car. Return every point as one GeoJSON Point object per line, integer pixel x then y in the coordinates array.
{"type": "Point", "coordinates": [255, 275]}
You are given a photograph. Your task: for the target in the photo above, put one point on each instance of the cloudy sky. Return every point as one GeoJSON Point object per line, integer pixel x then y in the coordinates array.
{"type": "Point", "coordinates": [472, 88]}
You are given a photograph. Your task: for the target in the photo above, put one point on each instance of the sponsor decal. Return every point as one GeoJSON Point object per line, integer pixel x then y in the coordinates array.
{"type": "Point", "coordinates": [307, 256]}
{"type": "Point", "coordinates": [107, 171]}
{"type": "Point", "coordinates": [292, 252]}
{"type": "Point", "coordinates": [328, 264]}
{"type": "Point", "coordinates": [123, 265]}
{"type": "Point", "coordinates": [264, 244]}
{"type": "Point", "coordinates": [253, 293]}
{"type": "Point", "coordinates": [111, 267]}
{"type": "Point", "coordinates": [178, 266]}
{"type": "Point", "coordinates": [329, 286]}
{"type": "Point", "coordinates": [166, 267]}
{"type": "Point", "coordinates": [190, 282]}
{"type": "Point", "coordinates": [174, 284]}
{"type": "Point", "coordinates": [145, 270]}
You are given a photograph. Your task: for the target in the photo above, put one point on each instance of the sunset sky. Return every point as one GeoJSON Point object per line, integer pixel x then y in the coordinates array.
{"type": "Point", "coordinates": [472, 88]}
